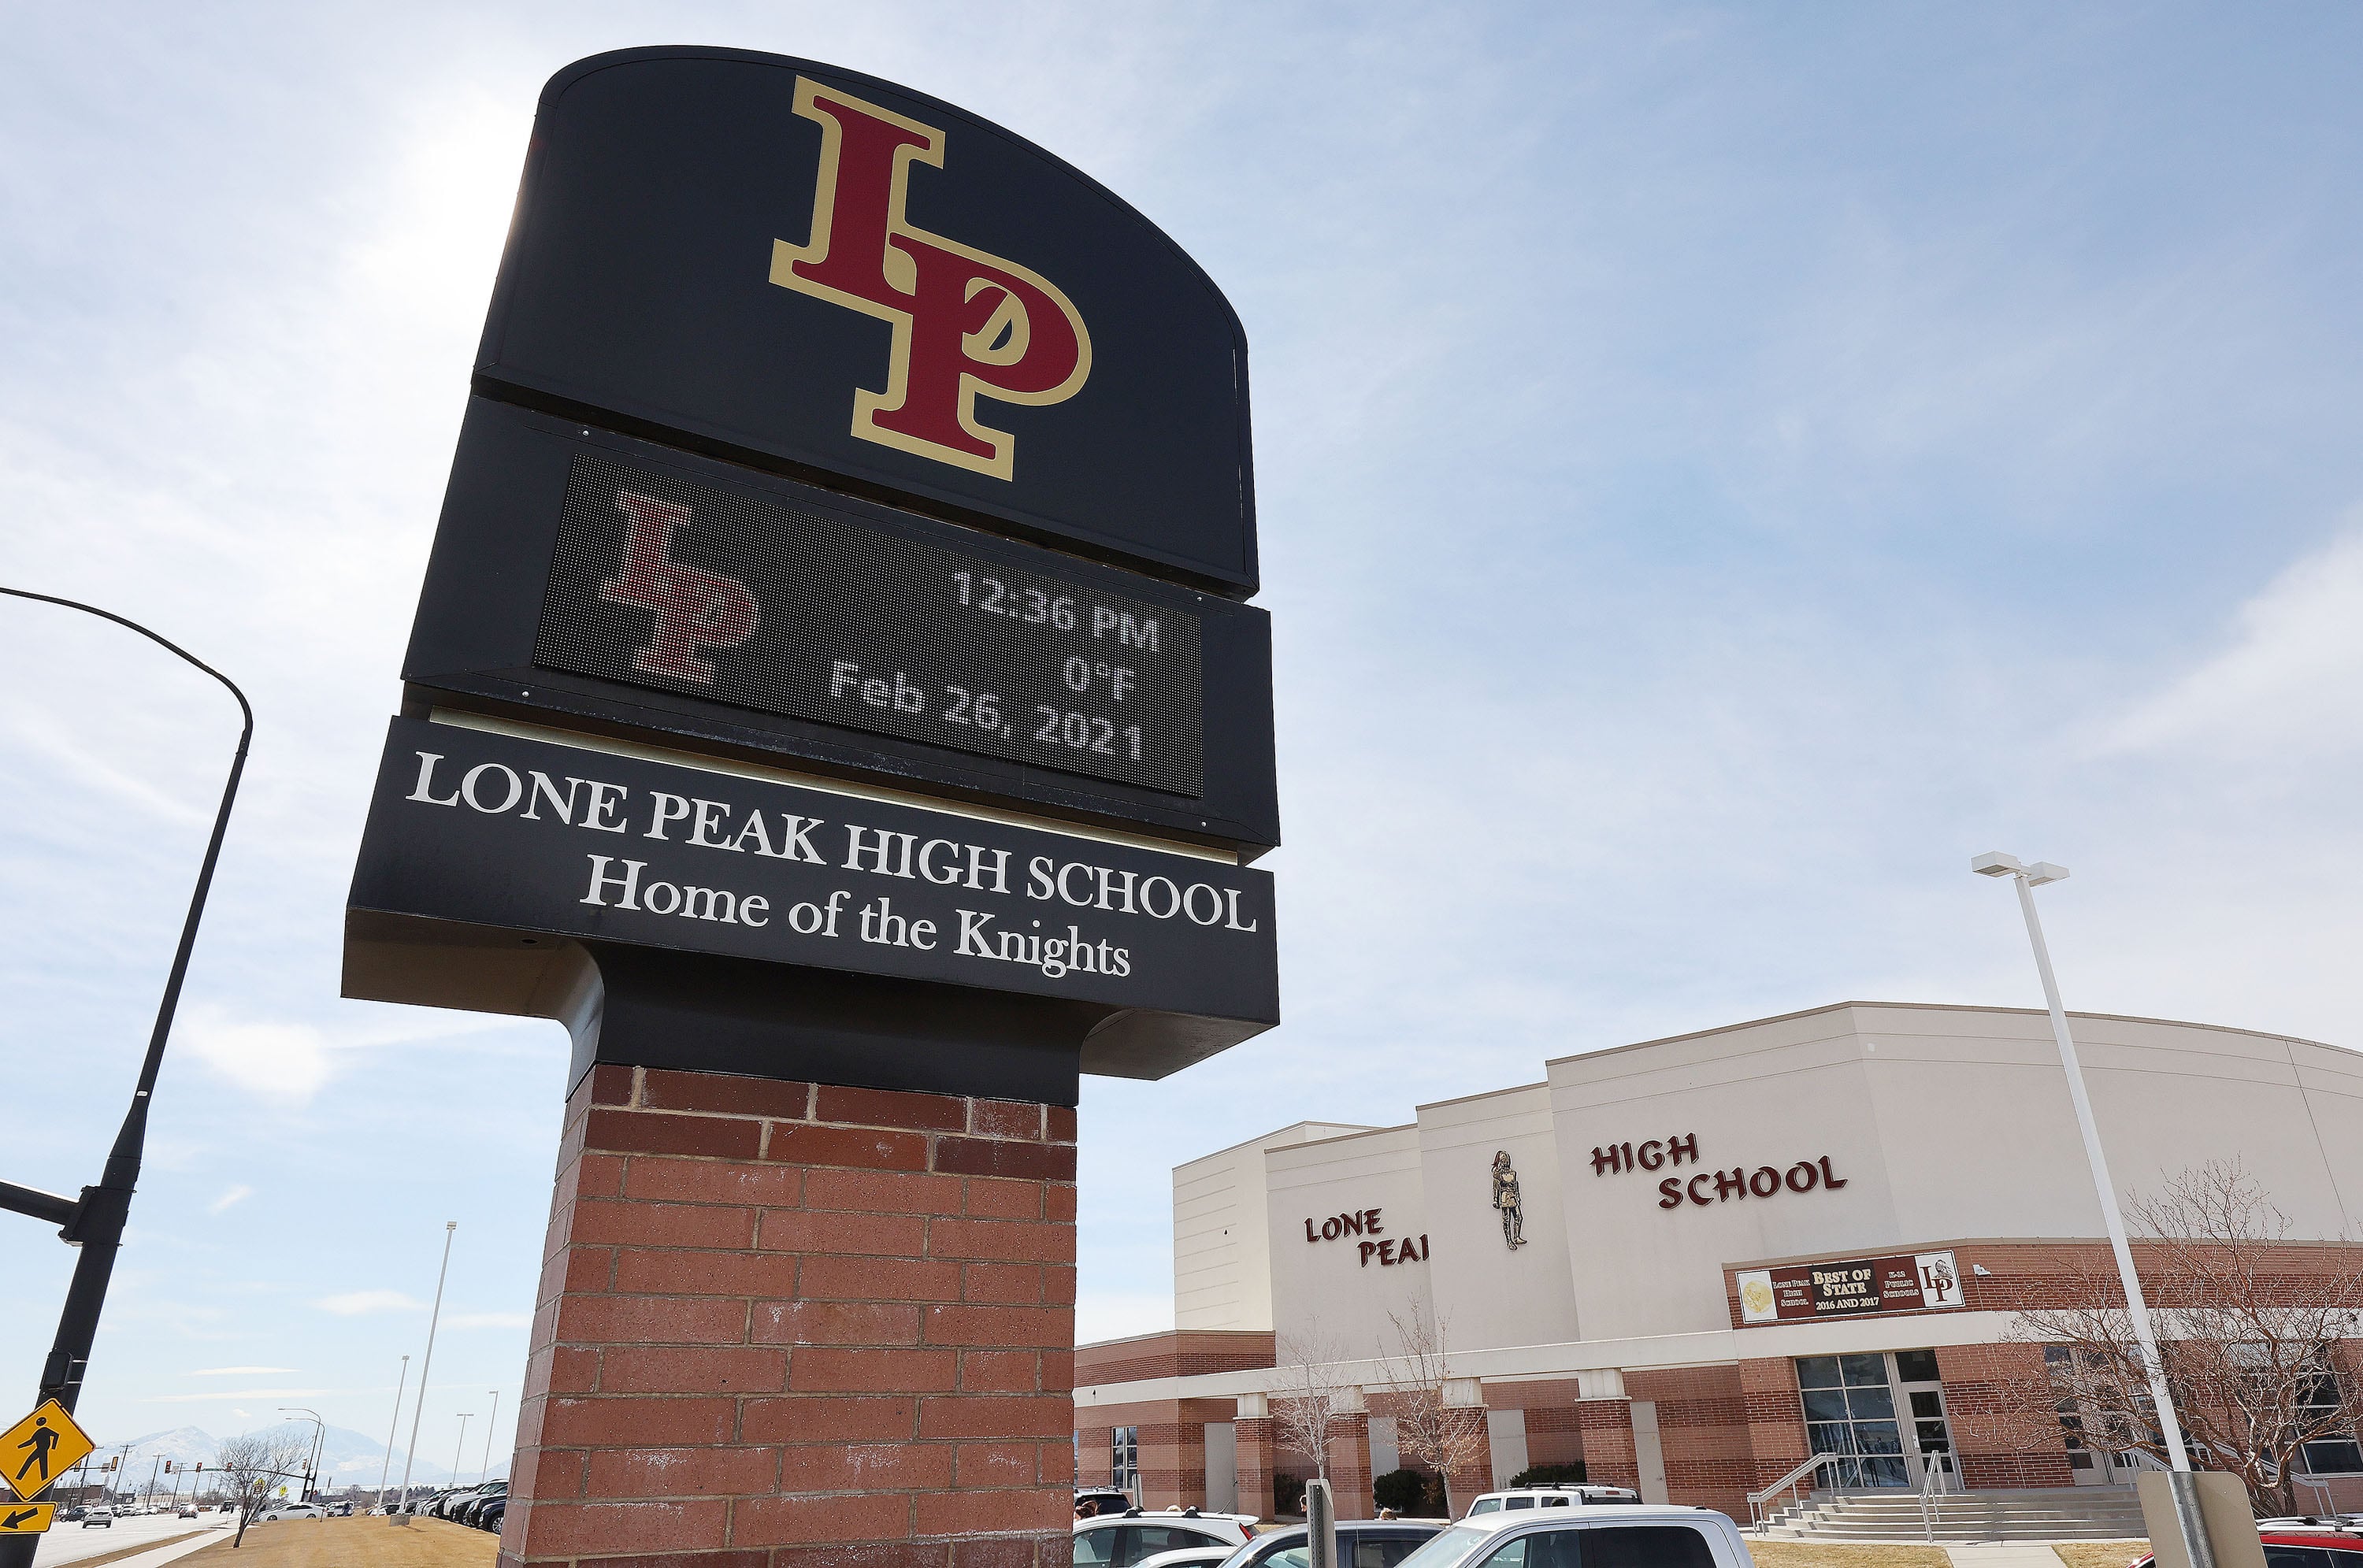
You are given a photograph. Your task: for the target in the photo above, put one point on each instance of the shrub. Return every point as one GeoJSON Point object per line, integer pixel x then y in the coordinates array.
{"type": "Point", "coordinates": [1410, 1492]}
{"type": "Point", "coordinates": [1550, 1474]}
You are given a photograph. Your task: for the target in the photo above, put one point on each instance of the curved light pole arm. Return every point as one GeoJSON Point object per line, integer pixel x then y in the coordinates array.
{"type": "Point", "coordinates": [97, 1221]}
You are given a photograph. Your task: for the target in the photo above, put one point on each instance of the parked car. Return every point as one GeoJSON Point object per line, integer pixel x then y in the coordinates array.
{"type": "Point", "coordinates": [493, 1512]}
{"type": "Point", "coordinates": [1361, 1544]}
{"type": "Point", "coordinates": [1570, 1493]}
{"type": "Point", "coordinates": [278, 1511]}
{"type": "Point", "coordinates": [471, 1511]}
{"type": "Point", "coordinates": [1645, 1535]}
{"type": "Point", "coordinates": [2301, 1546]}
{"type": "Point", "coordinates": [1104, 1500]}
{"type": "Point", "coordinates": [188, 1510]}
{"type": "Point", "coordinates": [451, 1504]}
{"type": "Point", "coordinates": [101, 1516]}
{"type": "Point", "coordinates": [1123, 1540]}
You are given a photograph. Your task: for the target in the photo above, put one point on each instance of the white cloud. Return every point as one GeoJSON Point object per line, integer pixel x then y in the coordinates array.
{"type": "Point", "coordinates": [293, 1061]}
{"type": "Point", "coordinates": [355, 1303]}
{"type": "Point", "coordinates": [236, 1372]}
{"type": "Point", "coordinates": [282, 1061]}
{"type": "Point", "coordinates": [235, 1195]}
{"type": "Point", "coordinates": [2286, 686]}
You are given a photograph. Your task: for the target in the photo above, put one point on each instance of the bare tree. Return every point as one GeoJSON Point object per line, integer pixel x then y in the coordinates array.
{"type": "Point", "coordinates": [1441, 1436]}
{"type": "Point", "coordinates": [2248, 1333]}
{"type": "Point", "coordinates": [1309, 1399]}
{"type": "Point", "coordinates": [254, 1463]}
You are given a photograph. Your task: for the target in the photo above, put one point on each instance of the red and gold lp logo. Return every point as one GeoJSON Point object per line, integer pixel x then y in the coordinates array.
{"type": "Point", "coordinates": [967, 324]}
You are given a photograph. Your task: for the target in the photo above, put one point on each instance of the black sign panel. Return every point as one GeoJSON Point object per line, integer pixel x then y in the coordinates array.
{"type": "Point", "coordinates": [662, 583]}
{"type": "Point", "coordinates": [796, 265]}
{"type": "Point", "coordinates": [521, 836]}
{"type": "Point", "coordinates": [983, 667]}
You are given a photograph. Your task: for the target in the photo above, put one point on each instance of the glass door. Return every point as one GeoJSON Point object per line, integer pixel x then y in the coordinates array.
{"type": "Point", "coordinates": [1850, 1411]}
{"type": "Point", "coordinates": [1921, 1398]}
{"type": "Point", "coordinates": [2087, 1467]}
{"type": "Point", "coordinates": [1883, 1412]}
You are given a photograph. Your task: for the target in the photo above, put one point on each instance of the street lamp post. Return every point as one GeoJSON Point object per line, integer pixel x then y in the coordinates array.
{"type": "Point", "coordinates": [460, 1446]}
{"type": "Point", "coordinates": [490, 1421]}
{"type": "Point", "coordinates": [2185, 1486]}
{"type": "Point", "coordinates": [311, 1455]}
{"type": "Point", "coordinates": [391, 1427]}
{"type": "Point", "coordinates": [94, 1221]}
{"type": "Point", "coordinates": [426, 1364]}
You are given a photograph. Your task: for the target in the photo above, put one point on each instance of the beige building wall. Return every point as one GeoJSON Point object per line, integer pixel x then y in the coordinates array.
{"type": "Point", "coordinates": [1944, 1123]}
{"type": "Point", "coordinates": [1221, 1234]}
{"type": "Point", "coordinates": [1331, 1298]}
{"type": "Point", "coordinates": [1487, 1293]}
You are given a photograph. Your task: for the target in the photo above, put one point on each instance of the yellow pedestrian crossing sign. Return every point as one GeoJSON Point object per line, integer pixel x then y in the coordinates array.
{"type": "Point", "coordinates": [26, 1518]}
{"type": "Point", "coordinates": [39, 1449]}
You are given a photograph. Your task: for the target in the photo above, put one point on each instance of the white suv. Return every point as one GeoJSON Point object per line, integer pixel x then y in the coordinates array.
{"type": "Point", "coordinates": [1570, 1494]}
{"type": "Point", "coordinates": [1120, 1541]}
{"type": "Point", "coordinates": [1646, 1535]}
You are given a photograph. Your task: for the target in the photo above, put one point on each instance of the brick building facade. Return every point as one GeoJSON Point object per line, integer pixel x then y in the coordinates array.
{"type": "Point", "coordinates": [1643, 1264]}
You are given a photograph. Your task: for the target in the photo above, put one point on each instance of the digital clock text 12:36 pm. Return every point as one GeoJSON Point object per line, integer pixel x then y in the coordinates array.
{"type": "Point", "coordinates": [660, 582]}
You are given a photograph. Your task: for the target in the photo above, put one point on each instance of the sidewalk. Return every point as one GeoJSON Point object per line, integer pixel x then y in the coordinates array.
{"type": "Point", "coordinates": [2019, 1556]}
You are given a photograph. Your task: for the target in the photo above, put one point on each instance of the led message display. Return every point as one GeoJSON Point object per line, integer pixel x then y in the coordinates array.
{"type": "Point", "coordinates": [662, 583]}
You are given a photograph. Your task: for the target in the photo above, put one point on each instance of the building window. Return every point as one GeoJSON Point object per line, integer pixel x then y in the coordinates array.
{"type": "Point", "coordinates": [2329, 1456]}
{"type": "Point", "coordinates": [1123, 1461]}
{"type": "Point", "coordinates": [1850, 1410]}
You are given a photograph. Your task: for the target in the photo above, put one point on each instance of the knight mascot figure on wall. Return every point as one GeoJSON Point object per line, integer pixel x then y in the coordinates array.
{"type": "Point", "coordinates": [1505, 1198]}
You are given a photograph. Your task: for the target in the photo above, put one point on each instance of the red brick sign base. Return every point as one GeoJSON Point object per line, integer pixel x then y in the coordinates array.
{"type": "Point", "coordinates": [783, 1325]}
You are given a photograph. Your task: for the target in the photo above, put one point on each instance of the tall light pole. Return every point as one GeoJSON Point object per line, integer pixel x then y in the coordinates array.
{"type": "Point", "coordinates": [491, 1422]}
{"type": "Point", "coordinates": [311, 1455]}
{"type": "Point", "coordinates": [459, 1445]}
{"type": "Point", "coordinates": [418, 1405]}
{"type": "Point", "coordinates": [96, 1220]}
{"type": "Point", "coordinates": [391, 1427]}
{"type": "Point", "coordinates": [2186, 1489]}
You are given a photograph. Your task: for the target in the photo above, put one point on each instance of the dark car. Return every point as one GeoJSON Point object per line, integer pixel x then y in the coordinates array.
{"type": "Point", "coordinates": [1103, 1499]}
{"type": "Point", "coordinates": [1361, 1544]}
{"type": "Point", "coordinates": [471, 1512]}
{"type": "Point", "coordinates": [493, 1512]}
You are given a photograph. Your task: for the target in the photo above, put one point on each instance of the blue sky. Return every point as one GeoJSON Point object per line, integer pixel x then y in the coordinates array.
{"type": "Point", "coordinates": [1720, 467]}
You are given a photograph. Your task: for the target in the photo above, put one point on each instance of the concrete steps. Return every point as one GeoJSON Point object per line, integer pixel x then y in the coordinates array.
{"type": "Point", "coordinates": [2070, 1513]}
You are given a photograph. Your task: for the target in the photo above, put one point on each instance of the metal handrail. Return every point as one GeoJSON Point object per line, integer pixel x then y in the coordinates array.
{"type": "Point", "coordinates": [1756, 1500]}
{"type": "Point", "coordinates": [1935, 1465]}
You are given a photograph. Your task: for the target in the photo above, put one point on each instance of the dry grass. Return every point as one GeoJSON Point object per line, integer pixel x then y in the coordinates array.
{"type": "Point", "coordinates": [1833, 1554]}
{"type": "Point", "coordinates": [2100, 1553]}
{"type": "Point", "coordinates": [362, 1541]}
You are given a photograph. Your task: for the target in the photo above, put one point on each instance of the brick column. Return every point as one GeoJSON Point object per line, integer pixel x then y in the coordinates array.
{"type": "Point", "coordinates": [777, 1320]}
{"type": "Point", "coordinates": [1349, 1464]}
{"type": "Point", "coordinates": [1608, 1456]}
{"type": "Point", "coordinates": [1469, 1480]}
{"type": "Point", "coordinates": [1253, 1428]}
{"type": "Point", "coordinates": [1775, 1417]}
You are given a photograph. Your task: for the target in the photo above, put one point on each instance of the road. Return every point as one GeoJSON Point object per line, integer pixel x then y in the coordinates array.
{"type": "Point", "coordinates": [71, 1543]}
